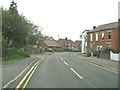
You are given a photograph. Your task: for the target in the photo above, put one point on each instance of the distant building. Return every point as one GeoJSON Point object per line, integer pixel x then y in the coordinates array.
{"type": "Point", "coordinates": [84, 41]}
{"type": "Point", "coordinates": [52, 44]}
{"type": "Point", "coordinates": [66, 43]}
{"type": "Point", "coordinates": [106, 35]}
{"type": "Point", "coordinates": [78, 45]}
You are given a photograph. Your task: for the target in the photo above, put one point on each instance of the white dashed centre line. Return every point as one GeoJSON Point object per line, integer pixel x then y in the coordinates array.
{"type": "Point", "coordinates": [72, 69]}
{"type": "Point", "coordinates": [76, 73]}
{"type": "Point", "coordinates": [65, 63]}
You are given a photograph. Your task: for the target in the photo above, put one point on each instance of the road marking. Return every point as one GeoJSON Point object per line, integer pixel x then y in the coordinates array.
{"type": "Point", "coordinates": [65, 63]}
{"type": "Point", "coordinates": [30, 76]}
{"type": "Point", "coordinates": [76, 73]}
{"type": "Point", "coordinates": [18, 86]}
{"type": "Point", "coordinates": [18, 75]}
{"type": "Point", "coordinates": [21, 82]}
{"type": "Point", "coordinates": [61, 59]}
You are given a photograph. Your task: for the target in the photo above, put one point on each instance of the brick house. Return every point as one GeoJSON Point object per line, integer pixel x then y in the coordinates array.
{"type": "Point", "coordinates": [52, 44]}
{"type": "Point", "coordinates": [66, 43]}
{"type": "Point", "coordinates": [78, 44]}
{"type": "Point", "coordinates": [103, 36]}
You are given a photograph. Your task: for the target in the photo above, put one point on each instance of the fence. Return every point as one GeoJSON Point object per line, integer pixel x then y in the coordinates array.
{"type": "Point", "coordinates": [114, 56]}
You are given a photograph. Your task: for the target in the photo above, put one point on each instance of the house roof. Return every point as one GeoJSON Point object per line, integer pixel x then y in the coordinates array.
{"type": "Point", "coordinates": [51, 43]}
{"type": "Point", "coordinates": [85, 31]}
{"type": "Point", "coordinates": [105, 27]}
{"type": "Point", "coordinates": [67, 40]}
{"type": "Point", "coordinates": [78, 41]}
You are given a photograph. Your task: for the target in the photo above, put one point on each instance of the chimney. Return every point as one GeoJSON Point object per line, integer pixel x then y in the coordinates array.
{"type": "Point", "coordinates": [65, 38]}
{"type": "Point", "coordinates": [94, 27]}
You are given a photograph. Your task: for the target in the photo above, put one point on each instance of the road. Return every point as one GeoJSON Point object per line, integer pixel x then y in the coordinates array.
{"type": "Point", "coordinates": [66, 70]}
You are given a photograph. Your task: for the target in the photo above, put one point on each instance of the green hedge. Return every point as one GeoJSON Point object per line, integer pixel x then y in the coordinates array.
{"type": "Point", "coordinates": [24, 54]}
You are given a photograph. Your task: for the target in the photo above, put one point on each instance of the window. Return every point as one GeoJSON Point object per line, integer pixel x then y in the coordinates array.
{"type": "Point", "coordinates": [102, 35]}
{"type": "Point", "coordinates": [97, 37]}
{"type": "Point", "coordinates": [90, 37]}
{"type": "Point", "coordinates": [109, 35]}
{"type": "Point", "coordinates": [108, 45]}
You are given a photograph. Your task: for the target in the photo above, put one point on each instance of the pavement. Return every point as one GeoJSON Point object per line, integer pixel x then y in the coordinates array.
{"type": "Point", "coordinates": [113, 65]}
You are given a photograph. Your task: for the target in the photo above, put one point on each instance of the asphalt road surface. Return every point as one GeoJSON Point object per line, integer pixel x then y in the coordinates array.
{"type": "Point", "coordinates": [66, 70]}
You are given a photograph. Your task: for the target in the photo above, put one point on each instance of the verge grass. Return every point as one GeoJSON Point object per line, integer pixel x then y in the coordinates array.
{"type": "Point", "coordinates": [11, 59]}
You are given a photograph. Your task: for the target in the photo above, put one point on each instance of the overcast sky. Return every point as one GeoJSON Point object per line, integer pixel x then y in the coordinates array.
{"type": "Point", "coordinates": [67, 18]}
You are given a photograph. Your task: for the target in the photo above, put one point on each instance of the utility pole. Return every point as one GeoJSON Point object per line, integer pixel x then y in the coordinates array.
{"type": "Point", "coordinates": [58, 37]}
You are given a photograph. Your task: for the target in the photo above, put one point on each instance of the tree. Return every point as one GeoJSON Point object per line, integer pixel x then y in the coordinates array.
{"type": "Point", "coordinates": [13, 8]}
{"type": "Point", "coordinates": [35, 37]}
{"type": "Point", "coordinates": [18, 32]}
{"type": "Point", "coordinates": [15, 27]}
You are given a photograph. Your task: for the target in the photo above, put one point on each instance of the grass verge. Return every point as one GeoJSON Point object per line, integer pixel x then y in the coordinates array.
{"type": "Point", "coordinates": [11, 59]}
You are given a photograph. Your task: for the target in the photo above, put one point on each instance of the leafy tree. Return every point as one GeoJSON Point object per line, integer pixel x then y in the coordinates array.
{"type": "Point", "coordinates": [13, 7]}
{"type": "Point", "coordinates": [18, 32]}
{"type": "Point", "coordinates": [36, 37]}
{"type": "Point", "coordinates": [15, 27]}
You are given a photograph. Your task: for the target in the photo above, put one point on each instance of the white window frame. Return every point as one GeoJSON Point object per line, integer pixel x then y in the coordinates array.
{"type": "Point", "coordinates": [102, 35]}
{"type": "Point", "coordinates": [91, 37]}
{"type": "Point", "coordinates": [96, 36]}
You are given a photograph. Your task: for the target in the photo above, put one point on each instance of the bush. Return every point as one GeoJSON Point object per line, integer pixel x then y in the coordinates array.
{"type": "Point", "coordinates": [107, 50]}
{"type": "Point", "coordinates": [24, 54]}
{"type": "Point", "coordinates": [116, 51]}
{"type": "Point", "coordinates": [6, 52]}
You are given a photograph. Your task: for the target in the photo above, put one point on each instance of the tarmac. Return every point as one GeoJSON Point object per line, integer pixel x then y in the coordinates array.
{"type": "Point", "coordinates": [10, 71]}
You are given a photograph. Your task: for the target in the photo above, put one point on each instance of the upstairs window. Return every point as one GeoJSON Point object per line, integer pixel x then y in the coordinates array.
{"type": "Point", "coordinates": [109, 35]}
{"type": "Point", "coordinates": [102, 35]}
{"type": "Point", "coordinates": [90, 37]}
{"type": "Point", "coordinates": [96, 36]}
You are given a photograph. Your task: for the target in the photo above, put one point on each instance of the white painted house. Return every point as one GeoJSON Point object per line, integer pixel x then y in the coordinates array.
{"type": "Point", "coordinates": [84, 41]}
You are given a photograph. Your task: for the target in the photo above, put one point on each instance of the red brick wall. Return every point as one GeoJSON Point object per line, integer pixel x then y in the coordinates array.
{"type": "Point", "coordinates": [103, 43]}
{"type": "Point", "coordinates": [114, 39]}
{"type": "Point", "coordinates": [61, 43]}
{"type": "Point", "coordinates": [78, 44]}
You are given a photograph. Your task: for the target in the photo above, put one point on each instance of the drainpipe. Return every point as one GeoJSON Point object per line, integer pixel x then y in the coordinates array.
{"type": "Point", "coordinates": [98, 53]}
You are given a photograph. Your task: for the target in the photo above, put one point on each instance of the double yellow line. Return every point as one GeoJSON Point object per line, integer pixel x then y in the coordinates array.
{"type": "Point", "coordinates": [28, 76]}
